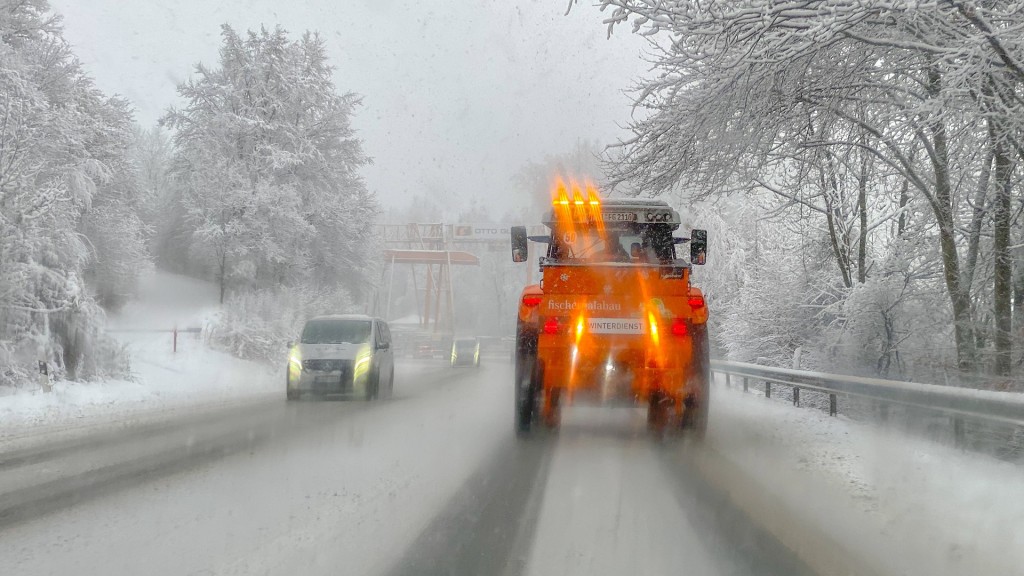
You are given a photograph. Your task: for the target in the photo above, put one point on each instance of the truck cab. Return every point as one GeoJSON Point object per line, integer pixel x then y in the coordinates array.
{"type": "Point", "coordinates": [614, 319]}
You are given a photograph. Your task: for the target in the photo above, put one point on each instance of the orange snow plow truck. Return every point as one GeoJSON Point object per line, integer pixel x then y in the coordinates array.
{"type": "Point", "coordinates": [614, 319]}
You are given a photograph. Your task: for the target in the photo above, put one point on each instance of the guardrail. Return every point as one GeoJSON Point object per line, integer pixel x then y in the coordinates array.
{"type": "Point", "coordinates": [960, 403]}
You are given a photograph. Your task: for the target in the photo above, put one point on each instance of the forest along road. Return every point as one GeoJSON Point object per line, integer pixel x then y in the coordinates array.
{"type": "Point", "coordinates": [431, 481]}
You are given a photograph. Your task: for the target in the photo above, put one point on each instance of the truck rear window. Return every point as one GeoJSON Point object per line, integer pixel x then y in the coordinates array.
{"type": "Point", "coordinates": [630, 243]}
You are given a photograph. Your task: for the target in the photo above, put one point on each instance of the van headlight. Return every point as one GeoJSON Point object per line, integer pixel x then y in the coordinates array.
{"type": "Point", "coordinates": [362, 364]}
{"type": "Point", "coordinates": [294, 365]}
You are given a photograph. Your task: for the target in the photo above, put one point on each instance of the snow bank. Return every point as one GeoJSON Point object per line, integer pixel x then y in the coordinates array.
{"type": "Point", "coordinates": [162, 379]}
{"type": "Point", "coordinates": [195, 376]}
{"type": "Point", "coordinates": [909, 504]}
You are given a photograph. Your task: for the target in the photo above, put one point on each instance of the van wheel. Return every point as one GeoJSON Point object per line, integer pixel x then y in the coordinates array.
{"type": "Point", "coordinates": [373, 385]}
{"type": "Point", "coordinates": [290, 393]}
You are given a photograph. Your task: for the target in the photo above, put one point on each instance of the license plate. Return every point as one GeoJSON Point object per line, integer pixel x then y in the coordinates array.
{"type": "Point", "coordinates": [620, 217]}
{"type": "Point", "coordinates": [615, 326]}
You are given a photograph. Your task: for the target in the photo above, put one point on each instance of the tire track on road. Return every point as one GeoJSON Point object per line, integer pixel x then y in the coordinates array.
{"type": "Point", "coordinates": [743, 546]}
{"type": "Point", "coordinates": [487, 528]}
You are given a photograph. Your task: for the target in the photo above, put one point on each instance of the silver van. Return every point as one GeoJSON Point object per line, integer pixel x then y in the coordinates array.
{"type": "Point", "coordinates": [344, 355]}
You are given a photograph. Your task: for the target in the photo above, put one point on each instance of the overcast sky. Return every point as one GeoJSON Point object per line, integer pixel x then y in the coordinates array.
{"type": "Point", "coordinates": [458, 95]}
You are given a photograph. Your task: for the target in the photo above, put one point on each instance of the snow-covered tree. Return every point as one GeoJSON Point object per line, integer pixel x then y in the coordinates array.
{"type": "Point", "coordinates": [268, 163]}
{"type": "Point", "coordinates": [266, 177]}
{"type": "Point", "coordinates": [883, 120]}
{"type": "Point", "coordinates": [160, 199]}
{"type": "Point", "coordinates": [67, 200]}
{"type": "Point", "coordinates": [112, 222]}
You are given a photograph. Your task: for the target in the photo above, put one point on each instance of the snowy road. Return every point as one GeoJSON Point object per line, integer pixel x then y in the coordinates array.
{"type": "Point", "coordinates": [432, 481]}
{"type": "Point", "coordinates": [429, 482]}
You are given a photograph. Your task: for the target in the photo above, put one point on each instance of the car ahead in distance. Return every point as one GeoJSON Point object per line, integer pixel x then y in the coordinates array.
{"type": "Point", "coordinates": [346, 355]}
{"type": "Point", "coordinates": [465, 352]}
{"type": "Point", "coordinates": [423, 352]}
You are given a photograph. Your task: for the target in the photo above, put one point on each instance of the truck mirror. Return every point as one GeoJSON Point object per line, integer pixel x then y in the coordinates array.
{"type": "Point", "coordinates": [698, 247]}
{"type": "Point", "coordinates": [519, 244]}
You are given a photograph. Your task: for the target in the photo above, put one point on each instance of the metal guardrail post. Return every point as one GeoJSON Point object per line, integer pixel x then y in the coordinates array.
{"type": "Point", "coordinates": [833, 409]}
{"type": "Point", "coordinates": [728, 381]}
{"type": "Point", "coordinates": [796, 395]}
{"type": "Point", "coordinates": [746, 387]}
{"type": "Point", "coordinates": [767, 389]}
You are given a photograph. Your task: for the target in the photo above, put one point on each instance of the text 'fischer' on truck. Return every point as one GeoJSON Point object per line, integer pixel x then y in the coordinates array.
{"type": "Point", "coordinates": [614, 319]}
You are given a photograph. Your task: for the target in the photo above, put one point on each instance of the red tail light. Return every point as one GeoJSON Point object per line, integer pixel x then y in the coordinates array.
{"type": "Point", "coordinates": [679, 326]}
{"type": "Point", "coordinates": [531, 300]}
{"type": "Point", "coordinates": [551, 326]}
{"type": "Point", "coordinates": [696, 302]}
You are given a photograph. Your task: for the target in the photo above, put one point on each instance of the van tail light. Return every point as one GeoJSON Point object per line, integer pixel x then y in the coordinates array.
{"type": "Point", "coordinates": [679, 327]}
{"type": "Point", "coordinates": [531, 300]}
{"type": "Point", "coordinates": [696, 302]}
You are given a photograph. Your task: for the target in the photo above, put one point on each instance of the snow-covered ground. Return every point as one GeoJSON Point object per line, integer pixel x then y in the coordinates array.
{"type": "Point", "coordinates": [905, 504]}
{"type": "Point", "coordinates": [163, 380]}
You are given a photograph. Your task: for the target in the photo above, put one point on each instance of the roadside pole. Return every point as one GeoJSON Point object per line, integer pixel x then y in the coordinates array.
{"type": "Point", "coordinates": [44, 377]}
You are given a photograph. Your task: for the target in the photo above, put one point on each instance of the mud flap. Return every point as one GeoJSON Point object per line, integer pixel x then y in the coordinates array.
{"type": "Point", "coordinates": [552, 411]}
{"type": "Point", "coordinates": [659, 410]}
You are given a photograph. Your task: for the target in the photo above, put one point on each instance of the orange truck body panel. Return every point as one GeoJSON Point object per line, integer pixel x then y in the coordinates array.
{"type": "Point", "coordinates": [614, 333]}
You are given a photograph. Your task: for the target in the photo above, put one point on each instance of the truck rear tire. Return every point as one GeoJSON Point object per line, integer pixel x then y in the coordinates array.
{"type": "Point", "coordinates": [526, 392]}
{"type": "Point", "coordinates": [697, 404]}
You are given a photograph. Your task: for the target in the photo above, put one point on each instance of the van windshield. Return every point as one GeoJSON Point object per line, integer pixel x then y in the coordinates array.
{"type": "Point", "coordinates": [336, 332]}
